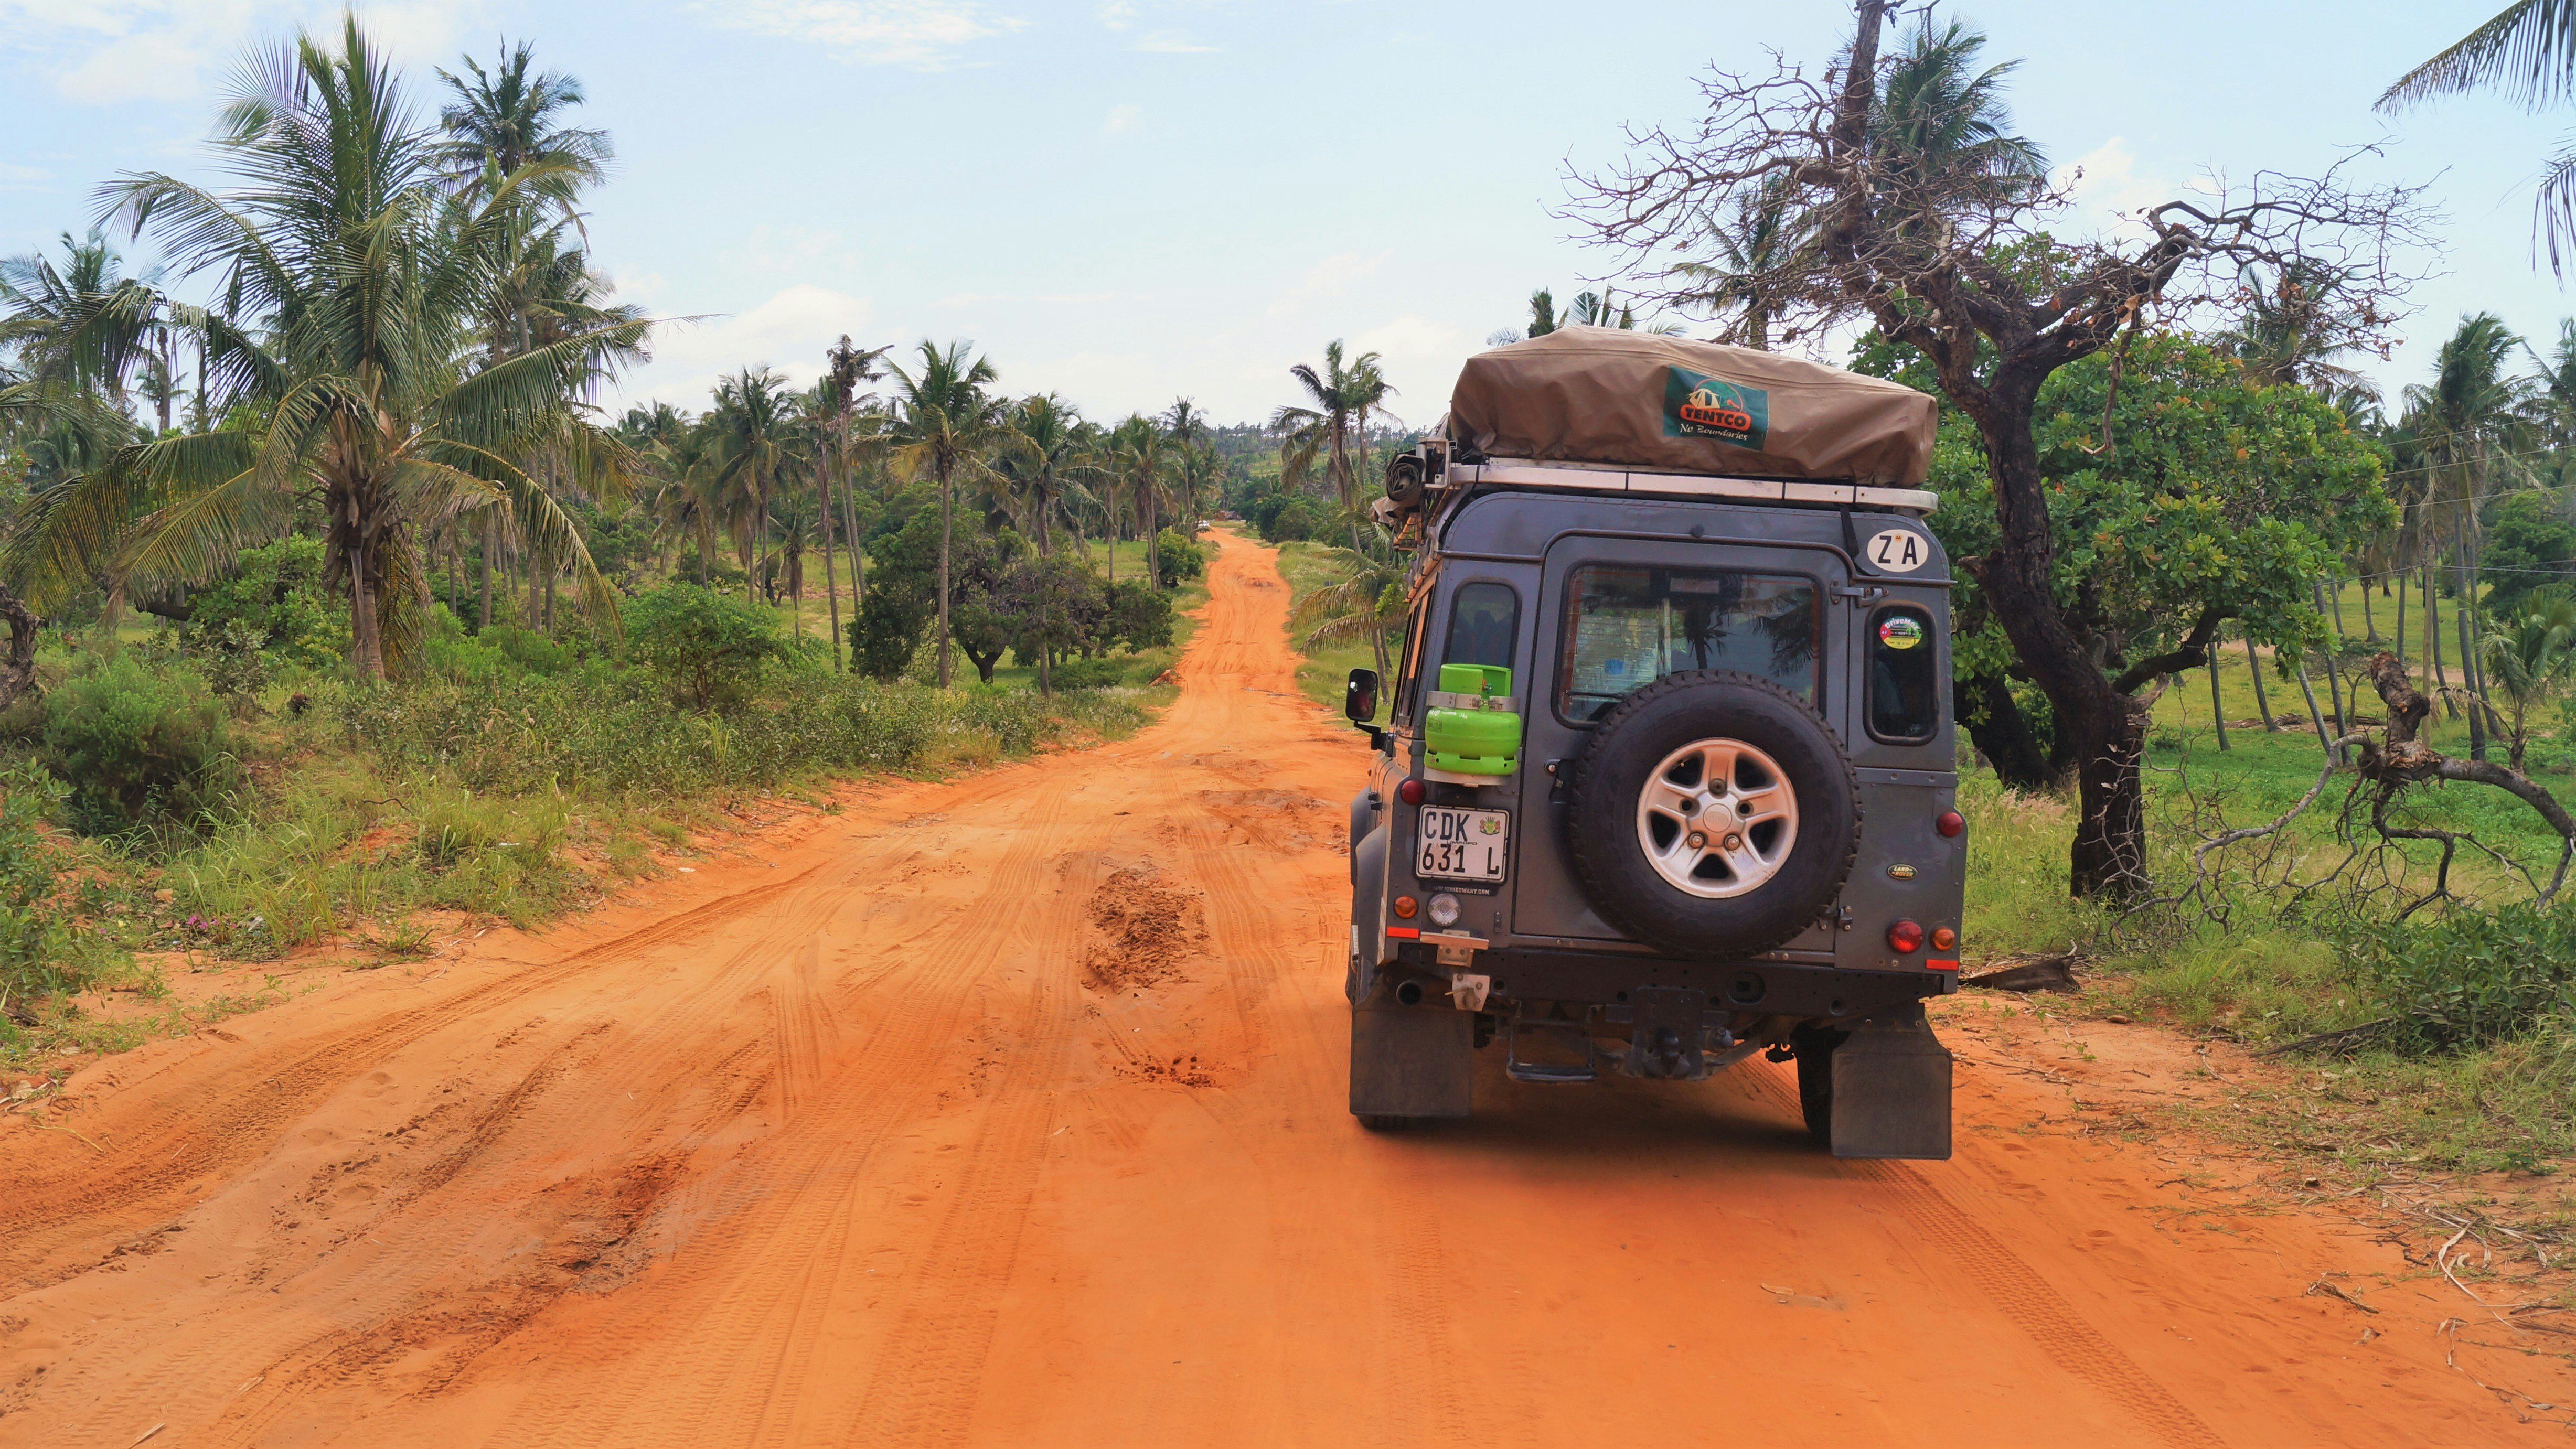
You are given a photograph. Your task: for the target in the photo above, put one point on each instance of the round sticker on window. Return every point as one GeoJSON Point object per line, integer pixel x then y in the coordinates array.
{"type": "Point", "coordinates": [1900, 631]}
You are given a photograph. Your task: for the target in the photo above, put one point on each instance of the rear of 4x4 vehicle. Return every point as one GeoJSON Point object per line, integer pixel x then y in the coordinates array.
{"type": "Point", "coordinates": [1667, 782]}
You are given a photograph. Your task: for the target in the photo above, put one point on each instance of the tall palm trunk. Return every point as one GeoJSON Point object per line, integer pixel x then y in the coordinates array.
{"type": "Point", "coordinates": [483, 567]}
{"type": "Point", "coordinates": [2437, 681]}
{"type": "Point", "coordinates": [946, 534]}
{"type": "Point", "coordinates": [2397, 641]}
{"type": "Point", "coordinates": [831, 585]}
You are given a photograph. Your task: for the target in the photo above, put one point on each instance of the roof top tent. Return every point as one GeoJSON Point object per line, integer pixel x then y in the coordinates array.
{"type": "Point", "coordinates": [1603, 410]}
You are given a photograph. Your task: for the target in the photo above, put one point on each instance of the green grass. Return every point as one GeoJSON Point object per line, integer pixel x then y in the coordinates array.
{"type": "Point", "coordinates": [1322, 673]}
{"type": "Point", "coordinates": [515, 799]}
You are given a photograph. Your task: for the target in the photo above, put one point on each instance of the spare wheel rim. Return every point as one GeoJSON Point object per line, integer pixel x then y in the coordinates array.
{"type": "Point", "coordinates": [1717, 819]}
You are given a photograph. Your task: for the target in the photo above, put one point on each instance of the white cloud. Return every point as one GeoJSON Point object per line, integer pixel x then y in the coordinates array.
{"type": "Point", "coordinates": [1118, 14]}
{"type": "Point", "coordinates": [1172, 42]}
{"type": "Point", "coordinates": [922, 34]}
{"type": "Point", "coordinates": [13, 175]}
{"type": "Point", "coordinates": [2106, 186]}
{"type": "Point", "coordinates": [1123, 118]}
{"type": "Point", "coordinates": [1328, 279]}
{"type": "Point", "coordinates": [115, 50]}
{"type": "Point", "coordinates": [788, 332]}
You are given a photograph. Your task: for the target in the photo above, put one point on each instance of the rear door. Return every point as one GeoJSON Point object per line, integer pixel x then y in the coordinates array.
{"type": "Point", "coordinates": [1616, 613]}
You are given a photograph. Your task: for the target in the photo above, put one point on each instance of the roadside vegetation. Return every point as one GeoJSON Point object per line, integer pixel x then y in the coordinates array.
{"type": "Point", "coordinates": [340, 618]}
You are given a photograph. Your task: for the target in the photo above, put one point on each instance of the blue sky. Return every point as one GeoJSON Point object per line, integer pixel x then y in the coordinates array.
{"type": "Point", "coordinates": [1132, 201]}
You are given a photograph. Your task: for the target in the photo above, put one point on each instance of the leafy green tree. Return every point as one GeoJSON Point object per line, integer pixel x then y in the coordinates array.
{"type": "Point", "coordinates": [353, 288]}
{"type": "Point", "coordinates": [1056, 606]}
{"type": "Point", "coordinates": [2529, 539]}
{"type": "Point", "coordinates": [1139, 616]}
{"type": "Point", "coordinates": [709, 646]}
{"type": "Point", "coordinates": [2223, 500]}
{"type": "Point", "coordinates": [1139, 457]}
{"type": "Point", "coordinates": [275, 592]}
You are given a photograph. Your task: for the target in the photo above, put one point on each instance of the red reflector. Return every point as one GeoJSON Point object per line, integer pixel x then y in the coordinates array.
{"type": "Point", "coordinates": [1409, 933]}
{"type": "Point", "coordinates": [1950, 822]}
{"type": "Point", "coordinates": [1942, 965]}
{"type": "Point", "coordinates": [1905, 938]}
{"type": "Point", "coordinates": [1410, 792]}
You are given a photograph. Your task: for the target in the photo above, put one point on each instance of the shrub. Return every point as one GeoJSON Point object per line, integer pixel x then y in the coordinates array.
{"type": "Point", "coordinates": [32, 938]}
{"type": "Point", "coordinates": [1178, 556]}
{"type": "Point", "coordinates": [274, 592]}
{"type": "Point", "coordinates": [1140, 616]}
{"type": "Point", "coordinates": [2469, 978]}
{"type": "Point", "coordinates": [137, 746]}
{"type": "Point", "coordinates": [1089, 674]}
{"type": "Point", "coordinates": [887, 632]}
{"type": "Point", "coordinates": [1296, 519]}
{"type": "Point", "coordinates": [706, 644]}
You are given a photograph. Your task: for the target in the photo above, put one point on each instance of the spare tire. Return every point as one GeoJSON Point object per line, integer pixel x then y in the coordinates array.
{"type": "Point", "coordinates": [1712, 815]}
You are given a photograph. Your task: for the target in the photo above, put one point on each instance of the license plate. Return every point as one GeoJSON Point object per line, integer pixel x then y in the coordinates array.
{"type": "Point", "coordinates": [1462, 844]}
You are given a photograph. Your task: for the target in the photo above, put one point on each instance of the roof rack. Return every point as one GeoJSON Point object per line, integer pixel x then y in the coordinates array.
{"type": "Point", "coordinates": [1612, 478]}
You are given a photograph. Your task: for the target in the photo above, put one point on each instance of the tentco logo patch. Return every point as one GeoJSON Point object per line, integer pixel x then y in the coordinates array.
{"type": "Point", "coordinates": [1697, 406]}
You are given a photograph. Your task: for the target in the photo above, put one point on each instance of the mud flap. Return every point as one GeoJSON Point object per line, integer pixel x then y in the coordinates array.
{"type": "Point", "coordinates": [1412, 1061]}
{"type": "Point", "coordinates": [1892, 1090]}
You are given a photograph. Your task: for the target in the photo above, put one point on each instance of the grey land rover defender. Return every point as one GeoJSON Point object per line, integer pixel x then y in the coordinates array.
{"type": "Point", "coordinates": [1667, 775]}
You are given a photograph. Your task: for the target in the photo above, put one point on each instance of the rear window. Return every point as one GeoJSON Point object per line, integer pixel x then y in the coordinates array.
{"type": "Point", "coordinates": [1626, 626]}
{"type": "Point", "coordinates": [1904, 703]}
{"type": "Point", "coordinates": [1484, 624]}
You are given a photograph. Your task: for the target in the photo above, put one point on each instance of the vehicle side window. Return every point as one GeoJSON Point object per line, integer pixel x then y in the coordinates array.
{"type": "Point", "coordinates": [1904, 695]}
{"type": "Point", "coordinates": [1407, 687]}
{"type": "Point", "coordinates": [1627, 626]}
{"type": "Point", "coordinates": [1484, 626]}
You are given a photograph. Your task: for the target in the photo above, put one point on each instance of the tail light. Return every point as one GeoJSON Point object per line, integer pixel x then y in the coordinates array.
{"type": "Point", "coordinates": [1944, 939]}
{"type": "Point", "coordinates": [1905, 937]}
{"type": "Point", "coordinates": [1410, 792]}
{"type": "Point", "coordinates": [1405, 906]}
{"type": "Point", "coordinates": [1950, 823]}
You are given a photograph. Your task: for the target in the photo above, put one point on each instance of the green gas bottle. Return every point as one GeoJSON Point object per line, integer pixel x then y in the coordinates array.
{"type": "Point", "coordinates": [1472, 728]}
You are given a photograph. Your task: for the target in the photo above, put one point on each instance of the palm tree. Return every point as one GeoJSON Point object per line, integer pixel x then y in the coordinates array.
{"type": "Point", "coordinates": [84, 325]}
{"type": "Point", "coordinates": [2531, 659]}
{"type": "Point", "coordinates": [836, 397]}
{"type": "Point", "coordinates": [1139, 456]}
{"type": "Point", "coordinates": [2468, 424]}
{"type": "Point", "coordinates": [1758, 238]}
{"type": "Point", "coordinates": [2281, 341]}
{"type": "Point", "coordinates": [1941, 123]}
{"type": "Point", "coordinates": [2529, 51]}
{"type": "Point", "coordinates": [505, 123]}
{"type": "Point", "coordinates": [947, 419]}
{"type": "Point", "coordinates": [1367, 601]}
{"type": "Point", "coordinates": [353, 288]}
{"type": "Point", "coordinates": [755, 422]}
{"type": "Point", "coordinates": [1343, 397]}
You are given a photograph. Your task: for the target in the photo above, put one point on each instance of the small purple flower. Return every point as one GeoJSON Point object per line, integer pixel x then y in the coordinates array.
{"type": "Point", "coordinates": [196, 923]}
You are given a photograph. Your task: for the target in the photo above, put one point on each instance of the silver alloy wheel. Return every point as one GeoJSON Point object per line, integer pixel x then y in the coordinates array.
{"type": "Point", "coordinates": [1717, 818]}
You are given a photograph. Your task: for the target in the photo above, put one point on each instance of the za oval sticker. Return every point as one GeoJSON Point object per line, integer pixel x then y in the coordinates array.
{"type": "Point", "coordinates": [1900, 632]}
{"type": "Point", "coordinates": [1897, 551]}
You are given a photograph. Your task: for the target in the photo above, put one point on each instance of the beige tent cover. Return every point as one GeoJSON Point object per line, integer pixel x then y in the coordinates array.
{"type": "Point", "coordinates": [1598, 395]}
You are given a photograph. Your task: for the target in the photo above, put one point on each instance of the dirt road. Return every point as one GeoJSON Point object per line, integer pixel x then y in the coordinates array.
{"type": "Point", "coordinates": [1009, 1111]}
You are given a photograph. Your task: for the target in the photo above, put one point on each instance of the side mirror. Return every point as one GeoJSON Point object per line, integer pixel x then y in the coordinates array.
{"type": "Point", "coordinates": [1359, 697]}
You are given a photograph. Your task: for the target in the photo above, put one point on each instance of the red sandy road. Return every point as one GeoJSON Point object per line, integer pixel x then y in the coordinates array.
{"type": "Point", "coordinates": [851, 1147]}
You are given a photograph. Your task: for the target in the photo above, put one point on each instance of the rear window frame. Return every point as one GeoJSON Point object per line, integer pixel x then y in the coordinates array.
{"type": "Point", "coordinates": [1936, 637]}
{"type": "Point", "coordinates": [1558, 695]}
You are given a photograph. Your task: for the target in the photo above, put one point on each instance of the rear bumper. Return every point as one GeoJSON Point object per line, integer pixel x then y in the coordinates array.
{"type": "Point", "coordinates": [1772, 988]}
